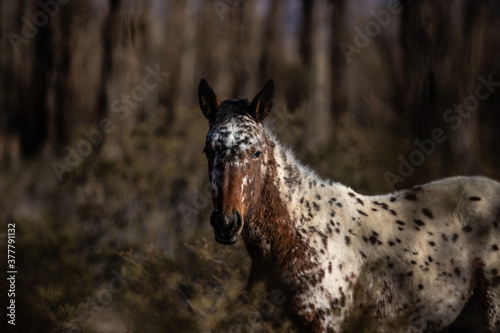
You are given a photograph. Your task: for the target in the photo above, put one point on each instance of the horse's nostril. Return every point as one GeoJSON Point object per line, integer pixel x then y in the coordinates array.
{"type": "Point", "coordinates": [227, 227]}
{"type": "Point", "coordinates": [221, 220]}
{"type": "Point", "coordinates": [238, 216]}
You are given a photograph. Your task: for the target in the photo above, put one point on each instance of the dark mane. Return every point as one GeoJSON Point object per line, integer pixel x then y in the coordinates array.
{"type": "Point", "coordinates": [230, 108]}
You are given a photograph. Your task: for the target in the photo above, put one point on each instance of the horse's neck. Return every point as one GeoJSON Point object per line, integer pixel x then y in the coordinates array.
{"type": "Point", "coordinates": [271, 232]}
{"type": "Point", "coordinates": [298, 186]}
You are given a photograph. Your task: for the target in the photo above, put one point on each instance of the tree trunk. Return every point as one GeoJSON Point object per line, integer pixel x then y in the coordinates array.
{"type": "Point", "coordinates": [419, 42]}
{"type": "Point", "coordinates": [63, 89]}
{"type": "Point", "coordinates": [318, 116]}
{"type": "Point", "coordinates": [338, 89]}
{"type": "Point", "coordinates": [109, 39]}
{"type": "Point", "coordinates": [465, 141]}
{"type": "Point", "coordinates": [270, 57]}
{"type": "Point", "coordinates": [34, 119]}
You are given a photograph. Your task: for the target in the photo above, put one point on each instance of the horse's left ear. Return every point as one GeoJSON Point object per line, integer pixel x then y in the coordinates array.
{"type": "Point", "coordinates": [262, 104]}
{"type": "Point", "coordinates": [209, 103]}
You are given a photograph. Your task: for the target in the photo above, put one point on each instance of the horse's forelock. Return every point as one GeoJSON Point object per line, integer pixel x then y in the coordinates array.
{"type": "Point", "coordinates": [231, 108]}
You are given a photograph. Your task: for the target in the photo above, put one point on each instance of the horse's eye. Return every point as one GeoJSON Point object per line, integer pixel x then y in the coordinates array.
{"type": "Point", "coordinates": [257, 154]}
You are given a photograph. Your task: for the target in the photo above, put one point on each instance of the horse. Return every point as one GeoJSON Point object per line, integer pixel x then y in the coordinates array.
{"type": "Point", "coordinates": [408, 261]}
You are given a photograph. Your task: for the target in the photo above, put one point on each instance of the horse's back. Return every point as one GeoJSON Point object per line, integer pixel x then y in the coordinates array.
{"type": "Point", "coordinates": [472, 206]}
{"type": "Point", "coordinates": [468, 206]}
{"type": "Point", "coordinates": [450, 231]}
{"type": "Point", "coordinates": [474, 202]}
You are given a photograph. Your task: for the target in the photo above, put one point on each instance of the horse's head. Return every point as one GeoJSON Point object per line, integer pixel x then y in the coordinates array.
{"type": "Point", "coordinates": [237, 154]}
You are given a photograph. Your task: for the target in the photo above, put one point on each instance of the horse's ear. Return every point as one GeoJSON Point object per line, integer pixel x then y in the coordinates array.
{"type": "Point", "coordinates": [209, 103]}
{"type": "Point", "coordinates": [262, 104]}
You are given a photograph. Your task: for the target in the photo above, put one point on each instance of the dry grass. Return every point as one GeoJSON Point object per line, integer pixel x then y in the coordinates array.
{"type": "Point", "coordinates": [119, 214]}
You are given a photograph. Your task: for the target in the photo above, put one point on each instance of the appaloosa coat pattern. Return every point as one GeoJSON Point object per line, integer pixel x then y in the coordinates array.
{"type": "Point", "coordinates": [412, 257]}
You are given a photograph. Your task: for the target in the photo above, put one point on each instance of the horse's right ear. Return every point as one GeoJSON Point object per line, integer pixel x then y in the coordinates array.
{"type": "Point", "coordinates": [262, 104]}
{"type": "Point", "coordinates": [209, 103]}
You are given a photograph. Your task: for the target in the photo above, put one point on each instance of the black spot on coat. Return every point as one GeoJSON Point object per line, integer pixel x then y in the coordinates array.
{"type": "Point", "coordinates": [362, 213]}
{"type": "Point", "coordinates": [467, 228]}
{"type": "Point", "coordinates": [420, 223]}
{"type": "Point", "coordinates": [411, 197]}
{"type": "Point", "coordinates": [427, 213]}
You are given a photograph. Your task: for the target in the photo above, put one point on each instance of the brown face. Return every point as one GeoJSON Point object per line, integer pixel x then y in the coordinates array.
{"type": "Point", "coordinates": [235, 172]}
{"type": "Point", "coordinates": [236, 157]}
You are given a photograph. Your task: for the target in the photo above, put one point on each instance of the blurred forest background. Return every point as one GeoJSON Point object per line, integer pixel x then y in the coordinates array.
{"type": "Point", "coordinates": [101, 137]}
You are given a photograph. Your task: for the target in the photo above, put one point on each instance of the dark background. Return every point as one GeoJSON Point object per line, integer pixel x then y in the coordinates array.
{"type": "Point", "coordinates": [102, 171]}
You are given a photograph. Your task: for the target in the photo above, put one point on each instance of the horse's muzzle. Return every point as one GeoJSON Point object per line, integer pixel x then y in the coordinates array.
{"type": "Point", "coordinates": [227, 227]}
